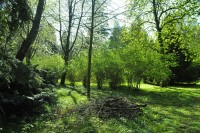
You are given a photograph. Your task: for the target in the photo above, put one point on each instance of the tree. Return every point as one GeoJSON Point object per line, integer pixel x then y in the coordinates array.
{"type": "Point", "coordinates": [139, 60]}
{"type": "Point", "coordinates": [33, 32]}
{"type": "Point", "coordinates": [160, 14]}
{"type": "Point", "coordinates": [68, 46]}
{"type": "Point", "coordinates": [13, 15]}
{"type": "Point", "coordinates": [166, 14]}
{"type": "Point", "coordinates": [115, 36]}
{"type": "Point", "coordinates": [90, 48]}
{"type": "Point", "coordinates": [164, 17]}
{"type": "Point", "coordinates": [96, 5]}
{"type": "Point", "coordinates": [45, 43]}
{"type": "Point", "coordinates": [181, 42]}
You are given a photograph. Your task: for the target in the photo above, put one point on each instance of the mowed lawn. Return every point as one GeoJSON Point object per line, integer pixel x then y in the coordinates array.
{"type": "Point", "coordinates": [169, 109]}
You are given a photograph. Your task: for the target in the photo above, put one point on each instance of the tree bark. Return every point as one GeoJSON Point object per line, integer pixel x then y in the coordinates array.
{"type": "Point", "coordinates": [158, 27]}
{"type": "Point", "coordinates": [90, 49]}
{"type": "Point", "coordinates": [67, 50]}
{"type": "Point", "coordinates": [26, 44]}
{"type": "Point", "coordinates": [63, 77]}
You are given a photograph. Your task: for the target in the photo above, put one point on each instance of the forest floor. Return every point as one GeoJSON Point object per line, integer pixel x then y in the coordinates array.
{"type": "Point", "coordinates": [169, 109]}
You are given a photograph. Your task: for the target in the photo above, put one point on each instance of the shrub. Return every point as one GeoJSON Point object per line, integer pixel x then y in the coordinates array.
{"type": "Point", "coordinates": [113, 72]}
{"type": "Point", "coordinates": [7, 63]}
{"type": "Point", "coordinates": [53, 63]}
{"type": "Point", "coordinates": [99, 62]}
{"type": "Point", "coordinates": [49, 77]}
{"type": "Point", "coordinates": [191, 74]}
{"type": "Point", "coordinates": [20, 91]}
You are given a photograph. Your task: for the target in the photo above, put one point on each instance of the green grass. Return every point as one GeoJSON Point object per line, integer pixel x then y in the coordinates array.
{"type": "Point", "coordinates": [169, 109]}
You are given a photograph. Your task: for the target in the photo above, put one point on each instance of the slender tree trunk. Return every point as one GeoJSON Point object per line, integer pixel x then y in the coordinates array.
{"type": "Point", "coordinates": [90, 50]}
{"type": "Point", "coordinates": [160, 40]}
{"type": "Point", "coordinates": [67, 50]}
{"type": "Point", "coordinates": [63, 77]}
{"type": "Point", "coordinates": [26, 44]}
{"type": "Point", "coordinates": [64, 74]}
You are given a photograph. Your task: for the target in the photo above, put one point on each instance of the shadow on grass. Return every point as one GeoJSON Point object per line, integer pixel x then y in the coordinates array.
{"type": "Point", "coordinates": [73, 98]}
{"type": "Point", "coordinates": [192, 86]}
{"type": "Point", "coordinates": [175, 108]}
{"type": "Point", "coordinates": [166, 97]}
{"type": "Point", "coordinates": [79, 91]}
{"type": "Point", "coordinates": [171, 96]}
{"type": "Point", "coordinates": [78, 124]}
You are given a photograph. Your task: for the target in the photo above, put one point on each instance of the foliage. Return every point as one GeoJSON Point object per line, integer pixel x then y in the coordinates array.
{"type": "Point", "coordinates": [52, 62]}
{"type": "Point", "coordinates": [17, 12]}
{"type": "Point", "coordinates": [50, 67]}
{"type": "Point", "coordinates": [170, 21]}
{"type": "Point", "coordinates": [139, 58]}
{"type": "Point", "coordinates": [115, 38]}
{"type": "Point", "coordinates": [18, 76]}
{"type": "Point", "coordinates": [106, 67]}
{"type": "Point", "coordinates": [72, 72]}
{"type": "Point", "coordinates": [113, 70]}
{"type": "Point", "coordinates": [49, 77]}
{"type": "Point", "coordinates": [17, 98]}
{"type": "Point", "coordinates": [99, 62]}
{"type": "Point", "coordinates": [20, 89]}
{"type": "Point", "coordinates": [6, 77]}
{"type": "Point", "coordinates": [131, 55]}
{"type": "Point", "coordinates": [77, 69]}
{"type": "Point", "coordinates": [182, 50]}
{"type": "Point", "coordinates": [46, 39]}
{"type": "Point", "coordinates": [14, 15]}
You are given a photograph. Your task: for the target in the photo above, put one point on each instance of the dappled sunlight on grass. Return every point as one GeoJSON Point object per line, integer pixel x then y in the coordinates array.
{"type": "Point", "coordinates": [69, 97]}
{"type": "Point", "coordinates": [169, 109]}
{"type": "Point", "coordinates": [172, 109]}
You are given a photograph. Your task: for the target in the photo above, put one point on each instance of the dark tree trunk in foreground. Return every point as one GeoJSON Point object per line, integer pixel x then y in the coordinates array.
{"type": "Point", "coordinates": [26, 44]}
{"type": "Point", "coordinates": [90, 49]}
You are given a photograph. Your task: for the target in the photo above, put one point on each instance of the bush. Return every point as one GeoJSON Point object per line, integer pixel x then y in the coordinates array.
{"type": "Point", "coordinates": [7, 63]}
{"type": "Point", "coordinates": [113, 73]}
{"type": "Point", "coordinates": [99, 73]}
{"type": "Point", "coordinates": [53, 63]}
{"type": "Point", "coordinates": [100, 77]}
{"type": "Point", "coordinates": [20, 92]}
{"type": "Point", "coordinates": [191, 74]}
{"type": "Point", "coordinates": [16, 76]}
{"type": "Point", "coordinates": [27, 79]}
{"type": "Point", "coordinates": [49, 77]}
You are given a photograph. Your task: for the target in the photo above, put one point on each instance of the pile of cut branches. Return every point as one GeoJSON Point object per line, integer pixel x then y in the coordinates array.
{"type": "Point", "coordinates": [113, 107]}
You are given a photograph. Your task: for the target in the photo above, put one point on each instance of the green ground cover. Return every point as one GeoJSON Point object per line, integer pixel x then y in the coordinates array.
{"type": "Point", "coordinates": [170, 109]}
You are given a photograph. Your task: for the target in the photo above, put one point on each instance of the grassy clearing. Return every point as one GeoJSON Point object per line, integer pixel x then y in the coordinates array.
{"type": "Point", "coordinates": [170, 109]}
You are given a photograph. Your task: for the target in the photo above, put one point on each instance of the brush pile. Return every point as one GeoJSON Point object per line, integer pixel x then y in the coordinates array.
{"type": "Point", "coordinates": [113, 107]}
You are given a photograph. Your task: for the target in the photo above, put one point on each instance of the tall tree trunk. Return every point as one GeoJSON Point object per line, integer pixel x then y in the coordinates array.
{"type": "Point", "coordinates": [64, 74]}
{"type": "Point", "coordinates": [90, 49]}
{"type": "Point", "coordinates": [67, 50]}
{"type": "Point", "coordinates": [26, 44]}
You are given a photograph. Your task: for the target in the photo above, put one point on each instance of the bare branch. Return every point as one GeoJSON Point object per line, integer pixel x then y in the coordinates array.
{"type": "Point", "coordinates": [60, 30]}
{"type": "Point", "coordinates": [100, 6]}
{"type": "Point", "coordinates": [165, 11]}
{"type": "Point", "coordinates": [78, 25]}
